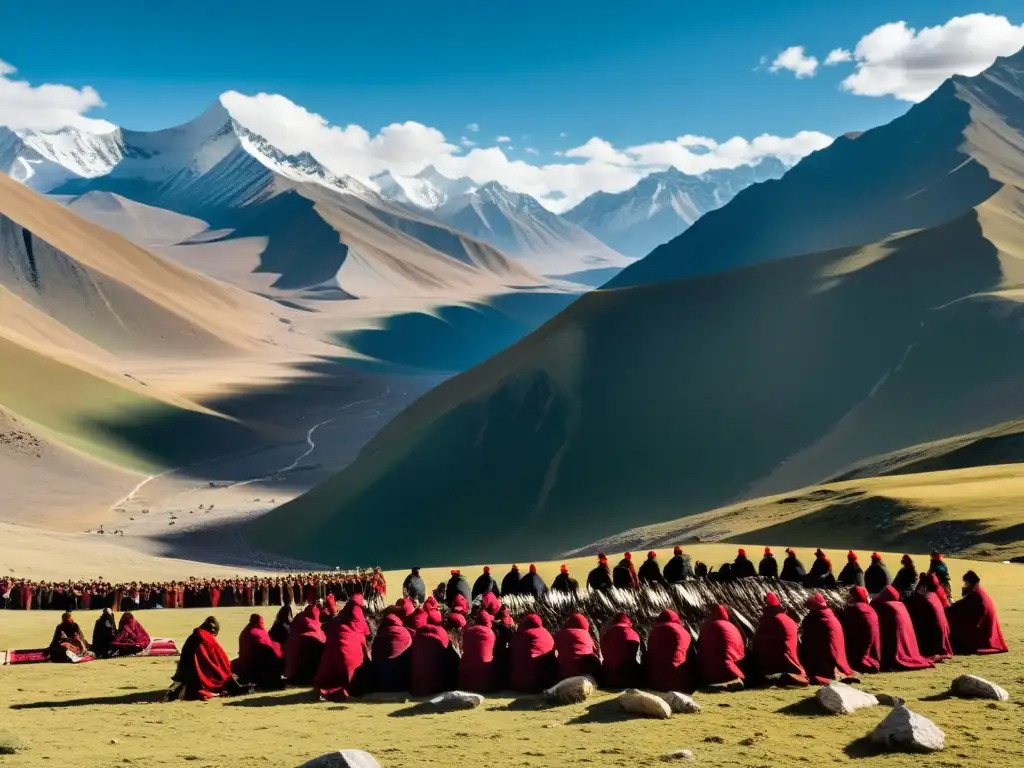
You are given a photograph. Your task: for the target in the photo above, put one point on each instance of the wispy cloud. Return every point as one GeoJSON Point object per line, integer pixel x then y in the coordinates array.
{"type": "Point", "coordinates": [795, 59]}
{"type": "Point", "coordinates": [48, 106]}
{"type": "Point", "coordinates": [473, 127]}
{"type": "Point", "coordinates": [503, 139]}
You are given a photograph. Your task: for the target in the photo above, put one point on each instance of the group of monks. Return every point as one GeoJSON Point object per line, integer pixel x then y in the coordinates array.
{"type": "Point", "coordinates": [109, 638]}
{"type": "Point", "coordinates": [25, 594]}
{"type": "Point", "coordinates": [425, 644]}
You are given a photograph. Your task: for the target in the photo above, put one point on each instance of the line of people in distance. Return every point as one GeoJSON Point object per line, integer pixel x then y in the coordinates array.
{"type": "Point", "coordinates": [423, 645]}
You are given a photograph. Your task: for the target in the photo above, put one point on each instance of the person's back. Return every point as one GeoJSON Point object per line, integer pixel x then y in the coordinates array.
{"type": "Point", "coordinates": [823, 646]}
{"type": "Point", "coordinates": [774, 650]}
{"type": "Point", "coordinates": [600, 577]}
{"type": "Point", "coordinates": [928, 617]}
{"type": "Point", "coordinates": [390, 655]}
{"type": "Point", "coordinates": [768, 568]}
{"type": "Point", "coordinates": [338, 675]}
{"type": "Point", "coordinates": [679, 568]}
{"type": "Point", "coordinates": [575, 647]}
{"type": "Point", "coordinates": [720, 648]}
{"type": "Point", "coordinates": [852, 574]}
{"type": "Point", "coordinates": [650, 572]}
{"type": "Point", "coordinates": [457, 585]}
{"type": "Point", "coordinates": [876, 577]}
{"type": "Point", "coordinates": [564, 582]}
{"type": "Point", "coordinates": [510, 584]}
{"type": "Point", "coordinates": [792, 569]}
{"type": "Point", "coordinates": [742, 567]}
{"type": "Point", "coordinates": [414, 587]}
{"type": "Point", "coordinates": [485, 583]}
{"type": "Point", "coordinates": [973, 620]}
{"type": "Point", "coordinates": [532, 584]}
{"type": "Point", "coordinates": [620, 646]}
{"type": "Point", "coordinates": [433, 664]}
{"type": "Point", "coordinates": [624, 574]}
{"type": "Point", "coordinates": [668, 663]}
{"type": "Point", "coordinates": [896, 630]}
{"type": "Point", "coordinates": [304, 646]}
{"type": "Point", "coordinates": [532, 664]}
{"type": "Point", "coordinates": [477, 668]}
{"type": "Point", "coordinates": [906, 577]}
{"type": "Point", "coordinates": [861, 632]}
{"type": "Point", "coordinates": [938, 567]}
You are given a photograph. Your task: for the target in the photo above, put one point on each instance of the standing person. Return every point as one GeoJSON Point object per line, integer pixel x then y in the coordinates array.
{"type": "Point", "coordinates": [485, 583]}
{"type": "Point", "coordinates": [414, 588]}
{"type": "Point", "coordinates": [577, 654]}
{"type": "Point", "coordinates": [669, 665]}
{"type": "Point", "coordinates": [768, 568]}
{"type": "Point", "coordinates": [624, 575]}
{"type": "Point", "coordinates": [938, 566]}
{"type": "Point", "coordinates": [650, 571]}
{"type": "Point", "coordinates": [823, 646]}
{"type": "Point", "coordinates": [774, 651]}
{"type": "Point", "coordinates": [532, 664]}
{"type": "Point", "coordinates": [679, 568]}
{"type": "Point", "coordinates": [906, 577]}
{"type": "Point", "coordinates": [532, 584]}
{"type": "Point", "coordinates": [204, 670]}
{"type": "Point", "coordinates": [973, 622]}
{"type": "Point", "coordinates": [620, 650]}
{"type": "Point", "coordinates": [720, 649]}
{"type": "Point", "coordinates": [852, 574]}
{"type": "Point", "coordinates": [457, 585]}
{"type": "Point", "coordinates": [564, 582]}
{"type": "Point", "coordinates": [900, 650]}
{"type": "Point", "coordinates": [601, 576]}
{"type": "Point", "coordinates": [876, 577]}
{"type": "Point", "coordinates": [792, 569]}
{"type": "Point", "coordinates": [861, 633]}
{"type": "Point", "coordinates": [510, 584]}
{"type": "Point", "coordinates": [742, 567]}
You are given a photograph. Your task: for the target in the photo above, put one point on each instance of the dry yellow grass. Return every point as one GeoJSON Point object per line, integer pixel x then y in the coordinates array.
{"type": "Point", "coordinates": [102, 714]}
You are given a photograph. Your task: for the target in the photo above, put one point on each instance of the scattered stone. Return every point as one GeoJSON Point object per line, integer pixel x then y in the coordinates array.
{"type": "Point", "coordinates": [572, 690]}
{"type": "Point", "coordinates": [679, 754]}
{"type": "Point", "coordinates": [714, 740]}
{"type": "Point", "coordinates": [885, 699]}
{"type": "Point", "coordinates": [454, 701]}
{"type": "Point", "coordinates": [905, 730]}
{"type": "Point", "coordinates": [679, 703]}
{"type": "Point", "coordinates": [645, 704]}
{"type": "Point", "coordinates": [974, 687]}
{"type": "Point", "coordinates": [12, 744]}
{"type": "Point", "coordinates": [347, 758]}
{"type": "Point", "coordinates": [842, 699]}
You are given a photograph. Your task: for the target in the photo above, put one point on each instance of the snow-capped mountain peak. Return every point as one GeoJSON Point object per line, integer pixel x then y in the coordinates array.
{"type": "Point", "coordinates": [428, 190]}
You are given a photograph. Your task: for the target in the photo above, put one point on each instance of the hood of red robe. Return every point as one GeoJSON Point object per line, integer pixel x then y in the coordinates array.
{"type": "Point", "coordinates": [928, 616]}
{"type": "Point", "coordinates": [430, 604]}
{"type": "Point", "coordinates": [669, 667]}
{"type": "Point", "coordinates": [575, 646]}
{"type": "Point", "coordinates": [416, 619]}
{"type": "Point", "coordinates": [460, 604]}
{"type": "Point", "coordinates": [456, 620]}
{"type": "Point", "coordinates": [823, 650]}
{"type": "Point", "coordinates": [490, 603]}
{"type": "Point", "coordinates": [719, 648]}
{"type": "Point", "coordinates": [130, 635]}
{"type": "Point", "coordinates": [899, 642]}
{"type": "Point", "coordinates": [344, 653]}
{"type": "Point", "coordinates": [530, 654]}
{"type": "Point", "coordinates": [211, 665]}
{"type": "Point", "coordinates": [775, 647]}
{"type": "Point", "coordinates": [619, 646]}
{"type": "Point", "coordinates": [974, 624]}
{"type": "Point", "coordinates": [406, 606]}
{"type": "Point", "coordinates": [352, 615]}
{"type": "Point", "coordinates": [393, 638]}
{"type": "Point", "coordinates": [861, 633]}
{"type": "Point", "coordinates": [477, 671]}
{"type": "Point", "coordinates": [330, 606]}
{"type": "Point", "coordinates": [429, 661]}
{"type": "Point", "coordinates": [254, 645]}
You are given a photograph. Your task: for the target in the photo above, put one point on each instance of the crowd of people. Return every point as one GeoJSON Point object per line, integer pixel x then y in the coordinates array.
{"type": "Point", "coordinates": [466, 637]}
{"type": "Point", "coordinates": [26, 594]}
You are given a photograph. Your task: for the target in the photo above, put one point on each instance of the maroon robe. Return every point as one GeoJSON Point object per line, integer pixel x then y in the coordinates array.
{"type": "Point", "coordinates": [304, 646]}
{"type": "Point", "coordinates": [719, 648]}
{"type": "Point", "coordinates": [131, 638]}
{"type": "Point", "coordinates": [861, 633]}
{"type": "Point", "coordinates": [928, 616]}
{"type": "Point", "coordinates": [532, 664]}
{"type": "Point", "coordinates": [260, 660]}
{"type": "Point", "coordinates": [477, 670]}
{"type": "Point", "coordinates": [974, 624]}
{"type": "Point", "coordinates": [390, 656]}
{"type": "Point", "coordinates": [620, 644]}
{"type": "Point", "coordinates": [575, 647]}
{"type": "Point", "coordinates": [353, 616]}
{"type": "Point", "coordinates": [343, 657]}
{"type": "Point", "coordinates": [670, 666]}
{"type": "Point", "coordinates": [775, 648]}
{"type": "Point", "coordinates": [204, 668]}
{"type": "Point", "coordinates": [490, 603]}
{"type": "Point", "coordinates": [899, 642]}
{"type": "Point", "coordinates": [432, 665]}
{"type": "Point", "coordinates": [823, 650]}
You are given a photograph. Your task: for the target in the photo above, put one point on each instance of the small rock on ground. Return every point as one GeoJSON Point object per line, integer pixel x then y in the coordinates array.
{"type": "Point", "coordinates": [453, 701]}
{"type": "Point", "coordinates": [905, 730]}
{"type": "Point", "coordinates": [572, 690]}
{"type": "Point", "coordinates": [347, 758]}
{"type": "Point", "coordinates": [679, 703]}
{"type": "Point", "coordinates": [842, 699]}
{"type": "Point", "coordinates": [974, 687]}
{"type": "Point", "coordinates": [645, 704]}
{"type": "Point", "coordinates": [679, 754]}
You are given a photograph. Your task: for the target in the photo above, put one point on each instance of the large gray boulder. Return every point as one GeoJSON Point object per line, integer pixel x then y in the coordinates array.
{"type": "Point", "coordinates": [572, 690]}
{"type": "Point", "coordinates": [644, 704]}
{"type": "Point", "coordinates": [347, 758]}
{"type": "Point", "coordinates": [905, 730]}
{"type": "Point", "coordinates": [454, 701]}
{"type": "Point", "coordinates": [679, 703]}
{"type": "Point", "coordinates": [974, 687]}
{"type": "Point", "coordinates": [842, 699]}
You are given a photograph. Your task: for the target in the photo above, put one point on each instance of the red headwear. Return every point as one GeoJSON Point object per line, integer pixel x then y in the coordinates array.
{"type": "Point", "coordinates": [767, 551]}
{"type": "Point", "coordinates": [602, 557]}
{"type": "Point", "coordinates": [628, 555]}
{"type": "Point", "coordinates": [876, 556]}
{"type": "Point", "coordinates": [677, 550]}
{"type": "Point", "coordinates": [515, 567]}
{"type": "Point", "coordinates": [564, 568]}
{"type": "Point", "coordinates": [936, 555]}
{"type": "Point", "coordinates": [816, 602]}
{"type": "Point", "coordinates": [789, 551]}
{"type": "Point", "coordinates": [772, 600]}
{"type": "Point", "coordinates": [455, 572]}
{"type": "Point", "coordinates": [487, 569]}
{"type": "Point", "coordinates": [651, 555]}
{"type": "Point", "coordinates": [819, 553]}
{"type": "Point", "coordinates": [533, 568]}
{"type": "Point", "coordinates": [741, 552]}
{"type": "Point", "coordinates": [851, 555]}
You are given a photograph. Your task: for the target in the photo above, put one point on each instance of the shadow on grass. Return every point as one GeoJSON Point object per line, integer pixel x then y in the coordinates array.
{"type": "Point", "coordinates": [608, 711]}
{"type": "Point", "coordinates": [298, 697]}
{"type": "Point", "coordinates": [808, 707]}
{"type": "Point", "coordinates": [944, 696]}
{"type": "Point", "coordinates": [138, 697]}
{"type": "Point", "coordinates": [862, 747]}
{"type": "Point", "coordinates": [416, 710]}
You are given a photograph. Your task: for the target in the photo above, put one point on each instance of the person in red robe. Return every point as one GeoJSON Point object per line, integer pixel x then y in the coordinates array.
{"type": "Point", "coordinates": [532, 664]}
{"type": "Point", "coordinates": [456, 621]}
{"type": "Point", "coordinates": [669, 663]}
{"type": "Point", "coordinates": [131, 638]}
{"type": "Point", "coordinates": [775, 651]}
{"type": "Point", "coordinates": [899, 642]}
{"type": "Point", "coordinates": [823, 646]}
{"type": "Point", "coordinates": [330, 609]}
{"type": "Point", "coordinates": [417, 619]}
{"type": "Point", "coordinates": [477, 670]}
{"type": "Point", "coordinates": [620, 646]}
{"type": "Point", "coordinates": [720, 649]}
{"type": "Point", "coordinates": [260, 660]}
{"type": "Point", "coordinates": [490, 603]}
{"type": "Point", "coordinates": [304, 646]}
{"type": "Point", "coordinates": [928, 616]}
{"type": "Point", "coordinates": [973, 622]}
{"type": "Point", "coordinates": [339, 674]}
{"type": "Point", "coordinates": [204, 670]}
{"type": "Point", "coordinates": [353, 614]}
{"type": "Point", "coordinates": [575, 648]}
{"type": "Point", "coordinates": [460, 605]}
{"type": "Point", "coordinates": [434, 662]}
{"type": "Point", "coordinates": [860, 632]}
{"type": "Point", "coordinates": [68, 643]}
{"type": "Point", "coordinates": [389, 665]}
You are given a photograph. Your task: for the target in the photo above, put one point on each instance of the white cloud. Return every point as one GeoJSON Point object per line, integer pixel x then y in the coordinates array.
{"type": "Point", "coordinates": [407, 148]}
{"type": "Point", "coordinates": [562, 135]}
{"type": "Point", "coordinates": [838, 56]}
{"type": "Point", "coordinates": [503, 139]}
{"type": "Point", "coordinates": [532, 151]}
{"type": "Point", "coordinates": [898, 60]}
{"type": "Point", "coordinates": [47, 107]}
{"type": "Point", "coordinates": [473, 127]}
{"type": "Point", "coordinates": [794, 59]}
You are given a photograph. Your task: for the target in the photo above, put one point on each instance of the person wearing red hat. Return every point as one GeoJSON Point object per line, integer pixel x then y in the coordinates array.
{"type": "Point", "coordinates": [624, 574]}
{"type": "Point", "coordinates": [792, 569]}
{"type": "Point", "coordinates": [937, 566]}
{"type": "Point", "coordinates": [485, 583]}
{"type": "Point", "coordinates": [532, 584]}
{"type": "Point", "coordinates": [510, 584]}
{"type": "Point", "coordinates": [820, 574]}
{"type": "Point", "coordinates": [774, 651]}
{"type": "Point", "coordinates": [575, 648]}
{"type": "Point", "coordinates": [742, 567]}
{"type": "Point", "coordinates": [457, 585]}
{"type": "Point", "coordinates": [601, 576]}
{"type": "Point", "coordinates": [650, 571]}
{"type": "Point", "coordinates": [768, 568]}
{"type": "Point", "coordinates": [852, 574]}
{"type": "Point", "coordinates": [906, 577]}
{"type": "Point", "coordinates": [414, 588]}
{"type": "Point", "coordinates": [679, 568]}
{"type": "Point", "coordinates": [876, 577]}
{"type": "Point", "coordinates": [564, 582]}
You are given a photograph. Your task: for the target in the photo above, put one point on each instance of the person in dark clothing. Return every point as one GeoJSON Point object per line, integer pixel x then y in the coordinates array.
{"type": "Point", "coordinates": [624, 574]}
{"type": "Point", "coordinates": [679, 567]}
{"type": "Point", "coordinates": [457, 585]}
{"type": "Point", "coordinates": [103, 633]}
{"type": "Point", "coordinates": [650, 571]}
{"type": "Point", "coordinates": [68, 643]}
{"type": "Point", "coordinates": [701, 570]}
{"type": "Point", "coordinates": [724, 574]}
{"type": "Point", "coordinates": [601, 576]}
{"type": "Point", "coordinates": [820, 574]}
{"type": "Point", "coordinates": [414, 588]}
{"type": "Point", "coordinates": [533, 584]}
{"type": "Point", "coordinates": [937, 566]}
{"type": "Point", "coordinates": [510, 584]}
{"type": "Point", "coordinates": [792, 568]}
{"type": "Point", "coordinates": [876, 577]}
{"type": "Point", "coordinates": [768, 568]}
{"type": "Point", "coordinates": [852, 574]}
{"type": "Point", "coordinates": [485, 583]}
{"type": "Point", "coordinates": [282, 623]}
{"type": "Point", "coordinates": [564, 582]}
{"type": "Point", "coordinates": [906, 577]}
{"type": "Point", "coordinates": [742, 568]}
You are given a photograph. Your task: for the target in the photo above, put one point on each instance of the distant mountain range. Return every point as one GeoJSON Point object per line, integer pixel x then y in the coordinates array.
{"type": "Point", "coordinates": [865, 305]}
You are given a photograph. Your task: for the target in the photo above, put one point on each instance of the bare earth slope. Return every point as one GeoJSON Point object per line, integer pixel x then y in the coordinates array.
{"type": "Point", "coordinates": [643, 404]}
